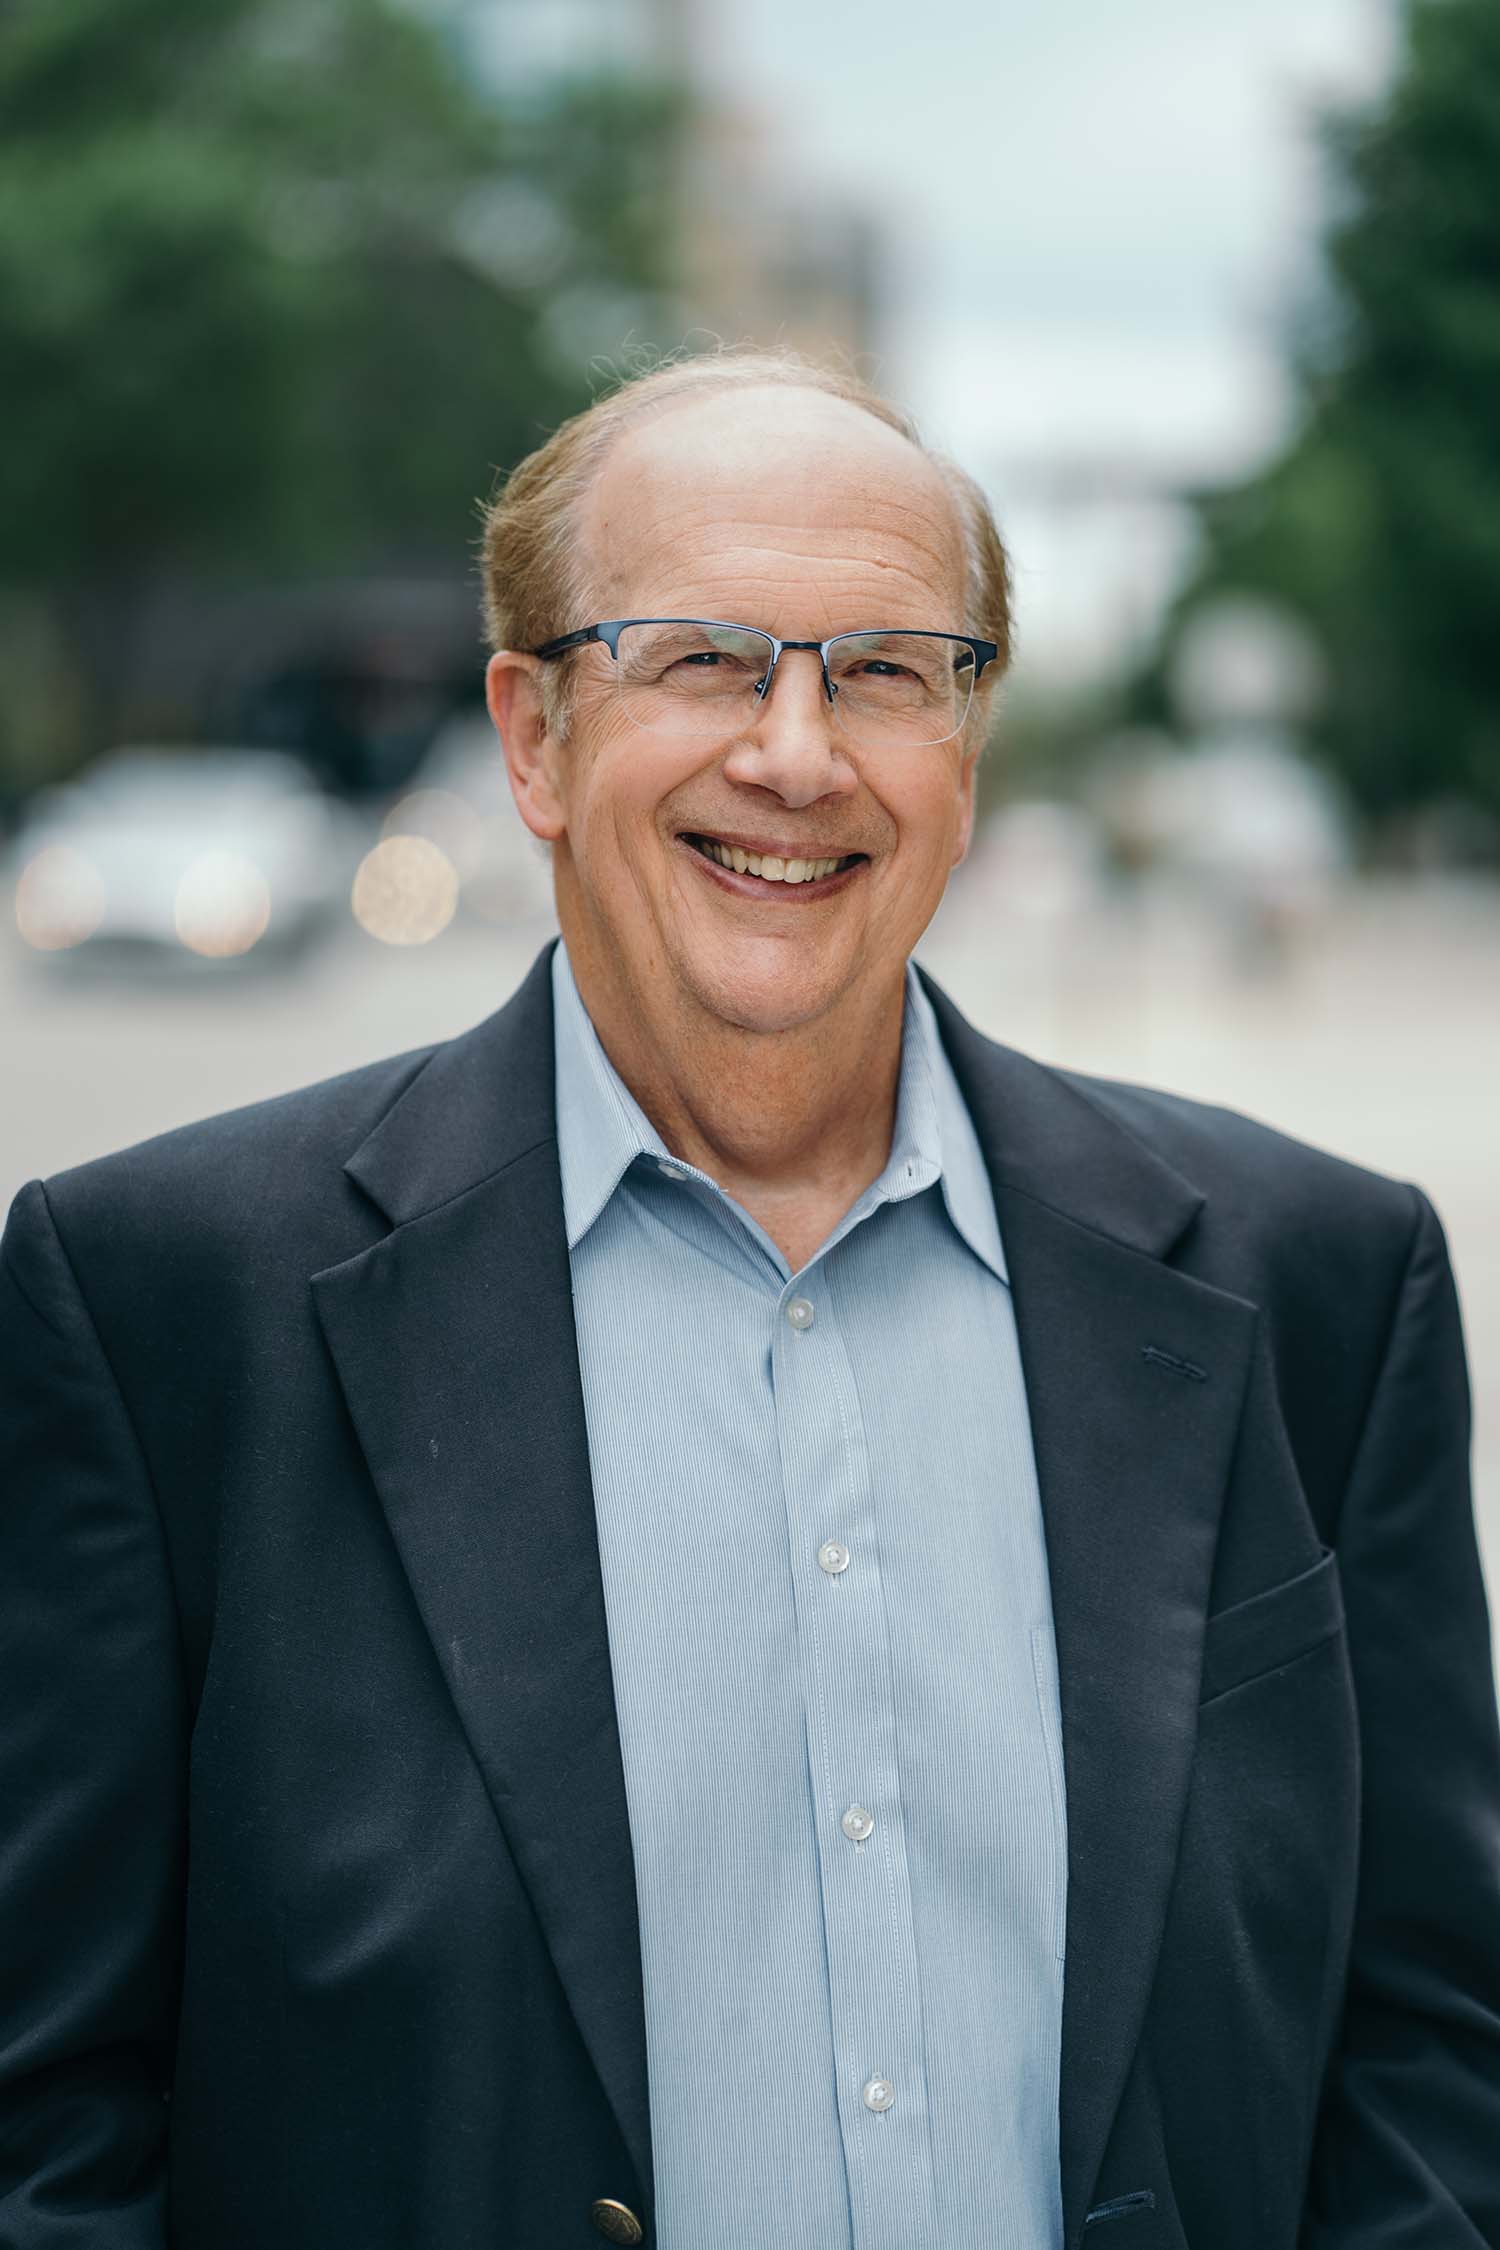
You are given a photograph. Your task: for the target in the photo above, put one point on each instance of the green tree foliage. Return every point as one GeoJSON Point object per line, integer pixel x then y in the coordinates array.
{"type": "Point", "coordinates": [278, 290]}
{"type": "Point", "coordinates": [1381, 524]}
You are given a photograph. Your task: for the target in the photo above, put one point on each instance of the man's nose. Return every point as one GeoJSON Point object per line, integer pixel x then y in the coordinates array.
{"type": "Point", "coordinates": [794, 745]}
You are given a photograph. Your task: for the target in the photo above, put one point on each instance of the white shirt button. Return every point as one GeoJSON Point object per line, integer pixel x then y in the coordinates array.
{"type": "Point", "coordinates": [857, 1824]}
{"type": "Point", "coordinates": [879, 2093]}
{"type": "Point", "coordinates": [832, 1557]}
{"type": "Point", "coordinates": [800, 1313]}
{"type": "Point", "coordinates": [671, 1171]}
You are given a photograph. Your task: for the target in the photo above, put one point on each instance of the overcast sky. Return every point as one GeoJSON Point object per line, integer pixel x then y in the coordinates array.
{"type": "Point", "coordinates": [1101, 208]}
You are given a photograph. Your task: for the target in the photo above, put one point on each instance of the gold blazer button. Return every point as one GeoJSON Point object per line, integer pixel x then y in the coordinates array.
{"type": "Point", "coordinates": [616, 2221]}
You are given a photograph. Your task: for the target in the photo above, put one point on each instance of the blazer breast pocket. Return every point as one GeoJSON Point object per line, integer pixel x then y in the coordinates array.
{"type": "Point", "coordinates": [1272, 1629]}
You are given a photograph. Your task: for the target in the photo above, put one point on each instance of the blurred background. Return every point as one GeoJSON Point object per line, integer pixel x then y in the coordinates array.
{"type": "Point", "coordinates": [1208, 298]}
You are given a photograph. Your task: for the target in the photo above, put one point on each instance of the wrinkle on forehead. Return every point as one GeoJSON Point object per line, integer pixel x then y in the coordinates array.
{"type": "Point", "coordinates": [774, 502]}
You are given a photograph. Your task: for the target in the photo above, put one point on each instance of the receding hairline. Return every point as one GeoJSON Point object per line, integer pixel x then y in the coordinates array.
{"type": "Point", "coordinates": [706, 396]}
{"type": "Point", "coordinates": [710, 391]}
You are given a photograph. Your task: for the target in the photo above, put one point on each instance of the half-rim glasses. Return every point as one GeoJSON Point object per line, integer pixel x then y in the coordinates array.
{"type": "Point", "coordinates": [699, 678]}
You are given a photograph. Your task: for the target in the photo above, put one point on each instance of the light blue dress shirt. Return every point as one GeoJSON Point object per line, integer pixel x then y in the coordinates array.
{"type": "Point", "coordinates": [831, 1640]}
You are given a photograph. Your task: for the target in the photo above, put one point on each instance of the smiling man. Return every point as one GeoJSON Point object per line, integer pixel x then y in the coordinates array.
{"type": "Point", "coordinates": [720, 1610]}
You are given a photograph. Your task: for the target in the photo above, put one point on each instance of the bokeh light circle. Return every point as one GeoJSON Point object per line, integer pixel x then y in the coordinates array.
{"type": "Point", "coordinates": [405, 891]}
{"type": "Point", "coordinates": [60, 899]}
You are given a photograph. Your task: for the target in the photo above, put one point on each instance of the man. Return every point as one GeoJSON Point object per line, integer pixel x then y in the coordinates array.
{"type": "Point", "coordinates": [719, 1611]}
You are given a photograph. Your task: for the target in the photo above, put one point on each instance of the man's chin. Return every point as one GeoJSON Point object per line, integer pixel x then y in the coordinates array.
{"type": "Point", "coordinates": [765, 997]}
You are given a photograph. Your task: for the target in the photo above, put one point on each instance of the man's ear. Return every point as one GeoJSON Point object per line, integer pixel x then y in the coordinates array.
{"type": "Point", "coordinates": [513, 691]}
{"type": "Point", "coordinates": [967, 782]}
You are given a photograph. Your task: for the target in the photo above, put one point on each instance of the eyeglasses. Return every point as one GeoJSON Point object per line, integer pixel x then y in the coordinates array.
{"type": "Point", "coordinates": [701, 680]}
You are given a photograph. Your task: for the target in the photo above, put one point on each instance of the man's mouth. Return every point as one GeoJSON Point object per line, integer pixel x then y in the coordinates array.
{"type": "Point", "coordinates": [769, 866]}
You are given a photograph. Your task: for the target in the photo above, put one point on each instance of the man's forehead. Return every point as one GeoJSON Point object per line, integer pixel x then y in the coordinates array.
{"type": "Point", "coordinates": [767, 481]}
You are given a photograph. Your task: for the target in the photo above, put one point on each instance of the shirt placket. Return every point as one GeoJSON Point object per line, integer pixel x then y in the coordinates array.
{"type": "Point", "coordinates": [844, 1650]}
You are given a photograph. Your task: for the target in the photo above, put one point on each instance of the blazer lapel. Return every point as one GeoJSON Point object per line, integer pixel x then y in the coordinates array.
{"type": "Point", "coordinates": [453, 1338]}
{"type": "Point", "coordinates": [1135, 1375]}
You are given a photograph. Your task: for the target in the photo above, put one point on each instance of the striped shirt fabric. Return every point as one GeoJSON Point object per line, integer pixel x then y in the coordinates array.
{"type": "Point", "coordinates": [831, 1641]}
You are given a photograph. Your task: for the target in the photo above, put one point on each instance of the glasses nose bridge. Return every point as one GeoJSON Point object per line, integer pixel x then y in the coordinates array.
{"type": "Point", "coordinates": [778, 650]}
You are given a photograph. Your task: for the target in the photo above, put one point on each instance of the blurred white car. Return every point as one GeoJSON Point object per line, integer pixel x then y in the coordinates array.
{"type": "Point", "coordinates": [194, 854]}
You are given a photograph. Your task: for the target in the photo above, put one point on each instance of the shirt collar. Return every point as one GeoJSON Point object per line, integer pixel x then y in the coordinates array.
{"type": "Point", "coordinates": [602, 1129]}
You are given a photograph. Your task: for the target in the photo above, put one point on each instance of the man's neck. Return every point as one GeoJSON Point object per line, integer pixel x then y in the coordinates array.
{"type": "Point", "coordinates": [793, 1124]}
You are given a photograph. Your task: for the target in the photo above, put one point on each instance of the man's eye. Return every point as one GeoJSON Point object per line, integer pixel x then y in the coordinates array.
{"type": "Point", "coordinates": [703, 660]}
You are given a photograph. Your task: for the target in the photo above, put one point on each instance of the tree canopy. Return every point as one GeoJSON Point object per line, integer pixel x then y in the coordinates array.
{"type": "Point", "coordinates": [1380, 525]}
{"type": "Point", "coordinates": [280, 287]}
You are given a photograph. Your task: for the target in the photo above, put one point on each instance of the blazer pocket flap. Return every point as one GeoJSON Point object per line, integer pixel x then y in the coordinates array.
{"type": "Point", "coordinates": [1273, 1628]}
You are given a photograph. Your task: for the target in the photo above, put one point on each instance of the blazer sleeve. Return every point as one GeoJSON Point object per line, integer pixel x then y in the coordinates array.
{"type": "Point", "coordinates": [1407, 2150]}
{"type": "Point", "coordinates": [92, 1778]}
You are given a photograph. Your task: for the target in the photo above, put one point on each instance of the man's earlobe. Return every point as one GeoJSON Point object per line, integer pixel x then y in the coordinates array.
{"type": "Point", "coordinates": [513, 692]}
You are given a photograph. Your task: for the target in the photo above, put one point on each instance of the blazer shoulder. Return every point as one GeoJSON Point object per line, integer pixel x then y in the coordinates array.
{"type": "Point", "coordinates": [1322, 1245]}
{"type": "Point", "coordinates": [1267, 1178]}
{"type": "Point", "coordinates": [252, 1169]}
{"type": "Point", "coordinates": [267, 1194]}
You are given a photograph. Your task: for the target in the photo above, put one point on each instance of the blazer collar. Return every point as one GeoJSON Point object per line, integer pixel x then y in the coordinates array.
{"type": "Point", "coordinates": [1045, 1138]}
{"type": "Point", "coordinates": [481, 1102]}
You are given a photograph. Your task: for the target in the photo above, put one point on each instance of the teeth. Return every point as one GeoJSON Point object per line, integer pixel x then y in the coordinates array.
{"type": "Point", "coordinates": [770, 869]}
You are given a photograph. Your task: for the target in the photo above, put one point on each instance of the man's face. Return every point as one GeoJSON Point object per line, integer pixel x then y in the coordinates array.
{"type": "Point", "coordinates": [794, 512]}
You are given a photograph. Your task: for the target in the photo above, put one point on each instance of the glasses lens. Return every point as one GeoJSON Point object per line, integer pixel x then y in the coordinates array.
{"type": "Point", "coordinates": [908, 688]}
{"type": "Point", "coordinates": [690, 678]}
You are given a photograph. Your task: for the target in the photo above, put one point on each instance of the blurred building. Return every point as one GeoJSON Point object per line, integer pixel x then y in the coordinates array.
{"type": "Point", "coordinates": [523, 44]}
{"type": "Point", "coordinates": [764, 258]}
{"type": "Point", "coordinates": [760, 254]}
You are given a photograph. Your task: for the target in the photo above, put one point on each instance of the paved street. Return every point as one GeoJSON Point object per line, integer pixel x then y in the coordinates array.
{"type": "Point", "coordinates": [1379, 1038]}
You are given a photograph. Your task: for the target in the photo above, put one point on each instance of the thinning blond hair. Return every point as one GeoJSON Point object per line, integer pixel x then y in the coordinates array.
{"type": "Point", "coordinates": [532, 558]}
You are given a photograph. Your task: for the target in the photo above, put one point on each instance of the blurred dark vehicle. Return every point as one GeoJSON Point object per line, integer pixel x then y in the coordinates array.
{"type": "Point", "coordinates": [172, 858]}
{"type": "Point", "coordinates": [354, 677]}
{"type": "Point", "coordinates": [355, 680]}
